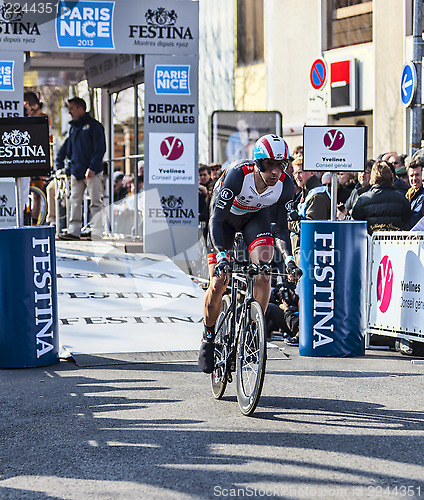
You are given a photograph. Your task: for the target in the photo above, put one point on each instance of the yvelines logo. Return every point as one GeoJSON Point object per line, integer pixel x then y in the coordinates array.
{"type": "Point", "coordinates": [160, 24]}
{"type": "Point", "coordinates": [16, 144]}
{"type": "Point", "coordinates": [172, 148]}
{"type": "Point", "coordinates": [85, 24]}
{"type": "Point", "coordinates": [16, 20]}
{"type": "Point", "coordinates": [334, 140]}
{"type": "Point", "coordinates": [384, 284]}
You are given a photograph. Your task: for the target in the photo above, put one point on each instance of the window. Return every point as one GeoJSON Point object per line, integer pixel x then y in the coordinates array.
{"type": "Point", "coordinates": [349, 22]}
{"type": "Point", "coordinates": [250, 31]}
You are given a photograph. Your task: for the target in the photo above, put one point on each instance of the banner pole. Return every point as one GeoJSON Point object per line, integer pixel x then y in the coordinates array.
{"type": "Point", "coordinates": [333, 196]}
{"type": "Point", "coordinates": [19, 207]}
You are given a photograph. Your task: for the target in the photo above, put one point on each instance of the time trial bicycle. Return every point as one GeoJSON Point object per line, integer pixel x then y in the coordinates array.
{"type": "Point", "coordinates": [240, 339]}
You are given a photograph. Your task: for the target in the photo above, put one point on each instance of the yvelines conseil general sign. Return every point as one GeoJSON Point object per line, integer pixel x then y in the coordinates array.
{"type": "Point", "coordinates": [24, 147]}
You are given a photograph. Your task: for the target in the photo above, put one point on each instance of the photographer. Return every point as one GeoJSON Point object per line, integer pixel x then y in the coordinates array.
{"type": "Point", "coordinates": [282, 313]}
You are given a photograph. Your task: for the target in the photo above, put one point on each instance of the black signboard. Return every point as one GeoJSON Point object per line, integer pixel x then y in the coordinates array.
{"type": "Point", "coordinates": [24, 146]}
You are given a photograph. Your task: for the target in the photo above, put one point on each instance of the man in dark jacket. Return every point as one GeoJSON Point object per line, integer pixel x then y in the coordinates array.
{"type": "Point", "coordinates": [415, 194]}
{"type": "Point", "coordinates": [382, 207]}
{"type": "Point", "coordinates": [361, 187]}
{"type": "Point", "coordinates": [85, 149]}
{"type": "Point", "coordinates": [312, 202]}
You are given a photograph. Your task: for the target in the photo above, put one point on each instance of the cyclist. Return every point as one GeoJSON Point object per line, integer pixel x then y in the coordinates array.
{"type": "Point", "coordinates": [240, 203]}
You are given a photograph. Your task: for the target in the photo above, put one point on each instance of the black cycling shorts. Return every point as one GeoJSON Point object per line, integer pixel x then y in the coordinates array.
{"type": "Point", "coordinates": [256, 230]}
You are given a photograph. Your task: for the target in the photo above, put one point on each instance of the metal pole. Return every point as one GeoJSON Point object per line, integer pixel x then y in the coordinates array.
{"type": "Point", "coordinates": [109, 112]}
{"type": "Point", "coordinates": [136, 161]}
{"type": "Point", "coordinates": [19, 207]}
{"type": "Point", "coordinates": [416, 133]}
{"type": "Point", "coordinates": [333, 196]}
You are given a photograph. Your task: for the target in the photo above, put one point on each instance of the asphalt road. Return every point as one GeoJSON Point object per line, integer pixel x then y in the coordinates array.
{"type": "Point", "coordinates": [324, 428]}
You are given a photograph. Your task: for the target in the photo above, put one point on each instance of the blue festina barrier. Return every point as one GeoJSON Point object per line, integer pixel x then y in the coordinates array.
{"type": "Point", "coordinates": [28, 298]}
{"type": "Point", "coordinates": [333, 288]}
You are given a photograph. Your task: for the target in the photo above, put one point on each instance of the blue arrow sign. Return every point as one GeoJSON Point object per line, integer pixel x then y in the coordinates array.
{"type": "Point", "coordinates": [408, 83]}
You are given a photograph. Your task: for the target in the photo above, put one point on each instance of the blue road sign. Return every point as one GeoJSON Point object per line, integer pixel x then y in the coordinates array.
{"type": "Point", "coordinates": [408, 83]}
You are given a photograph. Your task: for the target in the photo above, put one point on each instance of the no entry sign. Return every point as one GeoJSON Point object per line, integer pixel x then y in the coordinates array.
{"type": "Point", "coordinates": [318, 74]}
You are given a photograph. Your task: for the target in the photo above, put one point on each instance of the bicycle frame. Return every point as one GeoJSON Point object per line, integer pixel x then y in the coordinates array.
{"type": "Point", "coordinates": [241, 276]}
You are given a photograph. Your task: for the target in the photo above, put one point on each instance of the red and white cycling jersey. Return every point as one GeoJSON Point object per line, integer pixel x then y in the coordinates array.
{"type": "Point", "coordinates": [249, 200]}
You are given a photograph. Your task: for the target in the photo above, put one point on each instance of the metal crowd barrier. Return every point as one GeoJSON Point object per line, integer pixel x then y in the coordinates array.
{"type": "Point", "coordinates": [396, 285]}
{"type": "Point", "coordinates": [137, 211]}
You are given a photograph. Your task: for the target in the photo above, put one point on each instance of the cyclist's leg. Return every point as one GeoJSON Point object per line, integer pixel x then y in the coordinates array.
{"type": "Point", "coordinates": [217, 286]}
{"type": "Point", "coordinates": [211, 307]}
{"type": "Point", "coordinates": [257, 235]}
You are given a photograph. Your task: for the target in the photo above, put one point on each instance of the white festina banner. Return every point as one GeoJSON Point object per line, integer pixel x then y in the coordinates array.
{"type": "Point", "coordinates": [113, 302]}
{"type": "Point", "coordinates": [397, 284]}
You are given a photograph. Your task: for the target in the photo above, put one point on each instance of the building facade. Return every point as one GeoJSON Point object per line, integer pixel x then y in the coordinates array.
{"type": "Point", "coordinates": [364, 45]}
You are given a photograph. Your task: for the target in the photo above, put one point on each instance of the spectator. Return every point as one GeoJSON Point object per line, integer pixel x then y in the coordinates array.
{"type": "Point", "coordinates": [326, 179]}
{"type": "Point", "coordinates": [289, 168]}
{"type": "Point", "coordinates": [345, 187]}
{"type": "Point", "coordinates": [415, 194]}
{"type": "Point", "coordinates": [210, 191]}
{"type": "Point", "coordinates": [32, 104]}
{"type": "Point", "coordinates": [298, 152]}
{"type": "Point", "coordinates": [282, 313]}
{"type": "Point", "coordinates": [312, 202]}
{"type": "Point", "coordinates": [386, 156]}
{"type": "Point", "coordinates": [361, 187]}
{"type": "Point", "coordinates": [119, 190]}
{"type": "Point", "coordinates": [383, 208]}
{"type": "Point", "coordinates": [140, 175]}
{"type": "Point", "coordinates": [32, 108]}
{"type": "Point", "coordinates": [216, 171]}
{"type": "Point", "coordinates": [204, 175]}
{"type": "Point", "coordinates": [85, 149]}
{"type": "Point", "coordinates": [398, 184]}
{"type": "Point", "coordinates": [402, 174]}
{"type": "Point", "coordinates": [395, 160]}
{"type": "Point", "coordinates": [343, 193]}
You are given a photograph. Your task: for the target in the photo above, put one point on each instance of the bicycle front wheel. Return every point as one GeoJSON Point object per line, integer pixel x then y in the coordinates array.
{"type": "Point", "coordinates": [219, 374]}
{"type": "Point", "coordinates": [251, 359]}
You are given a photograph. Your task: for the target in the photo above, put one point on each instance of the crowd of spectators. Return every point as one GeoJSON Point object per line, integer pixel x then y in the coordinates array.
{"type": "Point", "coordinates": [388, 195]}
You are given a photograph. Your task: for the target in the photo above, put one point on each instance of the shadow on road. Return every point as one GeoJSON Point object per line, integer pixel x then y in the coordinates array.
{"type": "Point", "coordinates": [103, 433]}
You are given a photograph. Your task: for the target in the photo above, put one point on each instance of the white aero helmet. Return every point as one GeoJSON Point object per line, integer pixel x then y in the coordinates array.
{"type": "Point", "coordinates": [270, 146]}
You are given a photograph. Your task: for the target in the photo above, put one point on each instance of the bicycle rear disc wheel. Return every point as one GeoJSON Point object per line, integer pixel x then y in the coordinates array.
{"type": "Point", "coordinates": [219, 374]}
{"type": "Point", "coordinates": [251, 360]}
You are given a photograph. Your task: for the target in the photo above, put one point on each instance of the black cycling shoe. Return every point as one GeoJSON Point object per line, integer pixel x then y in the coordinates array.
{"type": "Point", "coordinates": [293, 341]}
{"type": "Point", "coordinates": [206, 353]}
